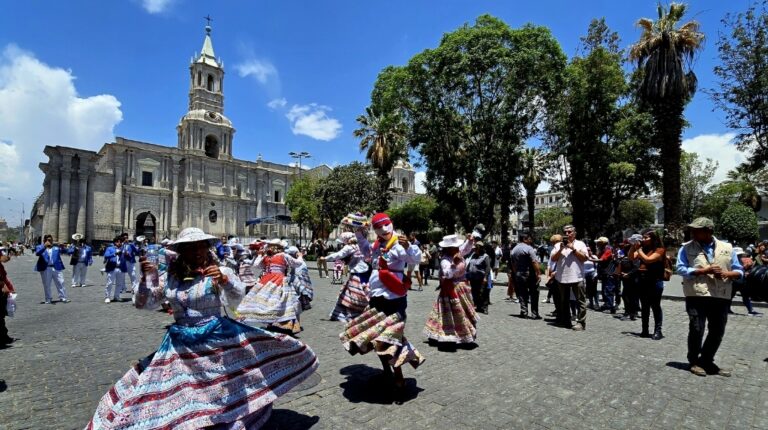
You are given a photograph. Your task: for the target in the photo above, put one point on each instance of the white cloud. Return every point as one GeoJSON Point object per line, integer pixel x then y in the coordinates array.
{"type": "Point", "coordinates": [421, 178]}
{"type": "Point", "coordinates": [156, 6]}
{"type": "Point", "coordinates": [277, 103]}
{"type": "Point", "coordinates": [39, 106]}
{"type": "Point", "coordinates": [718, 147]}
{"type": "Point", "coordinates": [261, 70]}
{"type": "Point", "coordinates": [312, 120]}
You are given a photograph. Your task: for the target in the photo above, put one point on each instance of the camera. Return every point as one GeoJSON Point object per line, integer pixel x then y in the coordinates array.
{"type": "Point", "coordinates": [565, 241]}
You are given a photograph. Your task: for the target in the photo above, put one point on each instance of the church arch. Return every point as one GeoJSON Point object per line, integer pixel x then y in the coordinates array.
{"type": "Point", "coordinates": [146, 225]}
{"type": "Point", "coordinates": [210, 84]}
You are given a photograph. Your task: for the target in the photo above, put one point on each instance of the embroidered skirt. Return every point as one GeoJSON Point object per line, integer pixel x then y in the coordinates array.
{"type": "Point", "coordinates": [375, 331]}
{"type": "Point", "coordinates": [271, 301]}
{"type": "Point", "coordinates": [221, 374]}
{"type": "Point", "coordinates": [352, 300]}
{"type": "Point", "coordinates": [453, 319]}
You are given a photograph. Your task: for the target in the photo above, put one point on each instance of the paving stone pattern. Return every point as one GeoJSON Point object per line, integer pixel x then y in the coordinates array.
{"type": "Point", "coordinates": [523, 374]}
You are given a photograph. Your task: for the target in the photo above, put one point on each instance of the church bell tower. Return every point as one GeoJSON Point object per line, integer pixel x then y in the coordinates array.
{"type": "Point", "coordinates": [204, 129]}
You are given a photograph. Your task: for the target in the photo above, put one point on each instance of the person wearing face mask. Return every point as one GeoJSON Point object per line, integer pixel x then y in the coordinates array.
{"type": "Point", "coordinates": [353, 295]}
{"type": "Point", "coordinates": [381, 327]}
{"type": "Point", "coordinates": [210, 371]}
{"type": "Point", "coordinates": [51, 269]}
{"type": "Point", "coordinates": [708, 267]}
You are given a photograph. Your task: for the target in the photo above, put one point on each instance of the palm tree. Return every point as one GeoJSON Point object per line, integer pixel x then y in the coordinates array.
{"type": "Point", "coordinates": [664, 54]}
{"type": "Point", "coordinates": [533, 166]}
{"type": "Point", "coordinates": [383, 137]}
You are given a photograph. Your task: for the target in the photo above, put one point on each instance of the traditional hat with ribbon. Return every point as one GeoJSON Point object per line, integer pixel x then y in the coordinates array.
{"type": "Point", "coordinates": [192, 234]}
{"type": "Point", "coordinates": [355, 219]}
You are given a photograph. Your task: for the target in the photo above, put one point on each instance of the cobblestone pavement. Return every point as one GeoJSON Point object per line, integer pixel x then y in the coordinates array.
{"type": "Point", "coordinates": [523, 374]}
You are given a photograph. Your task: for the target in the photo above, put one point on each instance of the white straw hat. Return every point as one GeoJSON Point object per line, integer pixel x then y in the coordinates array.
{"type": "Point", "coordinates": [190, 235]}
{"type": "Point", "coordinates": [451, 241]}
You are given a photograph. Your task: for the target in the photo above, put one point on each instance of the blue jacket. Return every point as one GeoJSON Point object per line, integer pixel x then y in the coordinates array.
{"type": "Point", "coordinates": [222, 250]}
{"type": "Point", "coordinates": [44, 261]}
{"type": "Point", "coordinates": [110, 258]}
{"type": "Point", "coordinates": [88, 255]}
{"type": "Point", "coordinates": [130, 251]}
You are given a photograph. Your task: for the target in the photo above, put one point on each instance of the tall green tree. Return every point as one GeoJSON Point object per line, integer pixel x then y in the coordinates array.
{"type": "Point", "coordinates": [303, 204]}
{"type": "Point", "coordinates": [348, 188]}
{"type": "Point", "coordinates": [469, 104]}
{"type": "Point", "coordinates": [664, 55]}
{"type": "Point", "coordinates": [382, 137]}
{"type": "Point", "coordinates": [738, 224]}
{"type": "Point", "coordinates": [743, 79]}
{"type": "Point", "coordinates": [534, 165]}
{"type": "Point", "coordinates": [415, 215]}
{"type": "Point", "coordinates": [585, 126]}
{"type": "Point", "coordinates": [636, 213]}
{"type": "Point", "coordinates": [696, 177]}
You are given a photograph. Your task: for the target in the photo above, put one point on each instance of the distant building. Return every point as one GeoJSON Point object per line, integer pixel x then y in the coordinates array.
{"type": "Point", "coordinates": [155, 190]}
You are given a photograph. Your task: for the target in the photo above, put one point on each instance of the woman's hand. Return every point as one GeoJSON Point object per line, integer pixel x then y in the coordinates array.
{"type": "Point", "coordinates": [147, 266]}
{"type": "Point", "coordinates": [6, 290]}
{"type": "Point", "coordinates": [215, 273]}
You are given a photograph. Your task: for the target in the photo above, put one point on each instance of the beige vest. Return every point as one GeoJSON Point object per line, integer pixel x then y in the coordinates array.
{"type": "Point", "coordinates": [708, 285]}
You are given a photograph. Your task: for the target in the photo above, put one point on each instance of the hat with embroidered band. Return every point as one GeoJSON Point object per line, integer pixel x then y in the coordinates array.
{"type": "Point", "coordinates": [702, 222]}
{"type": "Point", "coordinates": [601, 239]}
{"type": "Point", "coordinates": [190, 235]}
{"type": "Point", "coordinates": [451, 241]}
{"type": "Point", "coordinates": [356, 219]}
{"type": "Point", "coordinates": [382, 225]}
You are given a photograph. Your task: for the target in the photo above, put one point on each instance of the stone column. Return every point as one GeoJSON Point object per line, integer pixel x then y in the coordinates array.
{"type": "Point", "coordinates": [82, 200]}
{"type": "Point", "coordinates": [117, 203]}
{"type": "Point", "coordinates": [64, 206]}
{"type": "Point", "coordinates": [175, 199]}
{"type": "Point", "coordinates": [89, 208]}
{"type": "Point", "coordinates": [52, 211]}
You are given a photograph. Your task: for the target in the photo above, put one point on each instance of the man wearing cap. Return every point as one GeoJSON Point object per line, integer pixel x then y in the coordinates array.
{"type": "Point", "coordinates": [605, 272]}
{"type": "Point", "coordinates": [708, 267]}
{"type": "Point", "coordinates": [569, 257]}
{"type": "Point", "coordinates": [525, 267]}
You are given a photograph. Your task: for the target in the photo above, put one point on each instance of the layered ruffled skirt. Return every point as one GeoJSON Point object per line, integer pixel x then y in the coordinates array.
{"type": "Point", "coordinates": [453, 319]}
{"type": "Point", "coordinates": [221, 373]}
{"type": "Point", "coordinates": [271, 301]}
{"type": "Point", "coordinates": [375, 331]}
{"type": "Point", "coordinates": [352, 300]}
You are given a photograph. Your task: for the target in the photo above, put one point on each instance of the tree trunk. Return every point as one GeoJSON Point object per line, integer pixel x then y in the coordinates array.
{"type": "Point", "coordinates": [669, 126]}
{"type": "Point", "coordinates": [530, 199]}
{"type": "Point", "coordinates": [505, 203]}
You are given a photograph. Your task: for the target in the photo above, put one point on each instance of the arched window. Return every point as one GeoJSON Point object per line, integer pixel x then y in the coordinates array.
{"type": "Point", "coordinates": [209, 86]}
{"type": "Point", "coordinates": [211, 146]}
{"type": "Point", "coordinates": [278, 191]}
{"type": "Point", "coordinates": [199, 79]}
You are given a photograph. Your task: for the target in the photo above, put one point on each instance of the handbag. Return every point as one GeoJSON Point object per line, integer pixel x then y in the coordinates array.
{"type": "Point", "coordinates": [10, 307]}
{"type": "Point", "coordinates": [668, 268]}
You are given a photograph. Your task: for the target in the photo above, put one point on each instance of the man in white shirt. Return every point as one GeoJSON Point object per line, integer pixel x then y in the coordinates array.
{"type": "Point", "coordinates": [569, 257]}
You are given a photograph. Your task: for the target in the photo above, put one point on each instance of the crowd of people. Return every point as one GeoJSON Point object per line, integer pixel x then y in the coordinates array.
{"type": "Point", "coordinates": [237, 306]}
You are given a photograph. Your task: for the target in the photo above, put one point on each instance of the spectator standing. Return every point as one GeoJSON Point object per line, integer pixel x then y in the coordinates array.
{"type": "Point", "coordinates": [569, 257]}
{"type": "Point", "coordinates": [321, 251]}
{"type": "Point", "coordinates": [6, 288]}
{"type": "Point", "coordinates": [525, 266]}
{"type": "Point", "coordinates": [606, 267]}
{"type": "Point", "coordinates": [708, 267]}
{"type": "Point", "coordinates": [497, 261]}
{"type": "Point", "coordinates": [426, 259]}
{"type": "Point", "coordinates": [51, 269]}
{"type": "Point", "coordinates": [477, 274]}
{"type": "Point", "coordinates": [650, 254]}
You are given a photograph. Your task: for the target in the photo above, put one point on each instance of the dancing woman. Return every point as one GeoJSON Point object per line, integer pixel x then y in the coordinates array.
{"type": "Point", "coordinates": [209, 370]}
{"type": "Point", "coordinates": [381, 327]}
{"type": "Point", "coordinates": [353, 296]}
{"type": "Point", "coordinates": [272, 300]}
{"type": "Point", "coordinates": [453, 318]}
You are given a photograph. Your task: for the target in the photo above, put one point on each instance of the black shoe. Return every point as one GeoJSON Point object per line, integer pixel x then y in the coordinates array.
{"type": "Point", "coordinates": [713, 369]}
{"type": "Point", "coordinates": [613, 310]}
{"type": "Point", "coordinates": [645, 334]}
{"type": "Point", "coordinates": [536, 317]}
{"type": "Point", "coordinates": [633, 317]}
{"type": "Point", "coordinates": [7, 341]}
{"type": "Point", "coordinates": [657, 335]}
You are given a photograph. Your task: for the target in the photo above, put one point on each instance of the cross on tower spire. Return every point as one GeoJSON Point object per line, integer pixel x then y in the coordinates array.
{"type": "Point", "coordinates": [209, 19]}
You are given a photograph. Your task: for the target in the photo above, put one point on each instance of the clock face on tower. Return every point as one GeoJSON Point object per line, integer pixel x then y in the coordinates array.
{"type": "Point", "coordinates": [213, 116]}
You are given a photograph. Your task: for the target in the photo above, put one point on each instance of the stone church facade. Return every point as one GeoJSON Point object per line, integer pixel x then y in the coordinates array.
{"type": "Point", "coordinates": [155, 190]}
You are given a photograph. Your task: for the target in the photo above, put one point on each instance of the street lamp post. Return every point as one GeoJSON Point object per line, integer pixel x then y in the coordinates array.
{"type": "Point", "coordinates": [300, 155]}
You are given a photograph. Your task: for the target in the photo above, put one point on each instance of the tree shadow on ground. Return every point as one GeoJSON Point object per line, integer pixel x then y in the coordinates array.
{"type": "Point", "coordinates": [679, 365]}
{"type": "Point", "coordinates": [285, 419]}
{"type": "Point", "coordinates": [366, 384]}
{"type": "Point", "coordinates": [3, 385]}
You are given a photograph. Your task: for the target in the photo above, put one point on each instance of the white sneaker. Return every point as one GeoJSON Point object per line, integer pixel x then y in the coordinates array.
{"type": "Point", "coordinates": [107, 300]}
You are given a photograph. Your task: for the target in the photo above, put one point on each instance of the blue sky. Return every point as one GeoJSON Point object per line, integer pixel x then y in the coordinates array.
{"type": "Point", "coordinates": [77, 73]}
